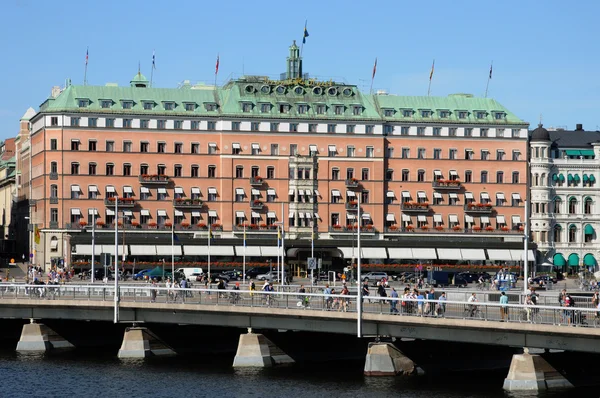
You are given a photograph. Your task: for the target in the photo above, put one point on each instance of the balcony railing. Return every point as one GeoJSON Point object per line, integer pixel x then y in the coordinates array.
{"type": "Point", "coordinates": [53, 201]}
{"type": "Point", "coordinates": [479, 208]}
{"type": "Point", "coordinates": [53, 224]}
{"type": "Point", "coordinates": [352, 183]}
{"type": "Point", "coordinates": [122, 202]}
{"type": "Point", "coordinates": [453, 230]}
{"type": "Point", "coordinates": [154, 179]}
{"type": "Point", "coordinates": [250, 228]}
{"type": "Point", "coordinates": [415, 207]}
{"type": "Point", "coordinates": [256, 205]}
{"type": "Point", "coordinates": [256, 181]}
{"type": "Point", "coordinates": [446, 184]}
{"type": "Point", "coordinates": [188, 203]}
{"type": "Point", "coordinates": [352, 228]}
{"type": "Point", "coordinates": [54, 176]}
{"type": "Point", "coordinates": [352, 205]}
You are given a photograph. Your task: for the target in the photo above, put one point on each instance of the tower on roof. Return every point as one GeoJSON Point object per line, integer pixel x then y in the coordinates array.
{"type": "Point", "coordinates": [139, 80]}
{"type": "Point", "coordinates": [294, 63]}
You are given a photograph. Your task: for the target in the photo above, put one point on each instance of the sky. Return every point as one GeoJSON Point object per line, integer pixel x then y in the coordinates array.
{"type": "Point", "coordinates": [545, 53]}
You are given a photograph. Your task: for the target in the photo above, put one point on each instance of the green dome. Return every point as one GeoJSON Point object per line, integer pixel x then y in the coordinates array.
{"type": "Point", "coordinates": [139, 80]}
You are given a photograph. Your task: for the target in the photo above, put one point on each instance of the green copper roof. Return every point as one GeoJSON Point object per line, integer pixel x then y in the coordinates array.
{"type": "Point", "coordinates": [244, 97]}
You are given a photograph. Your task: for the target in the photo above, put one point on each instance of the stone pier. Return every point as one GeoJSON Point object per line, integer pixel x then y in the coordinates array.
{"type": "Point", "coordinates": [139, 342]}
{"type": "Point", "coordinates": [255, 350]}
{"type": "Point", "coordinates": [384, 359]}
{"type": "Point", "coordinates": [37, 337]}
{"type": "Point", "coordinates": [532, 372]}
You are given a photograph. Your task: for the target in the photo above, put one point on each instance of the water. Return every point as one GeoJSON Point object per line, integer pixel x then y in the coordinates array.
{"type": "Point", "coordinates": [93, 374]}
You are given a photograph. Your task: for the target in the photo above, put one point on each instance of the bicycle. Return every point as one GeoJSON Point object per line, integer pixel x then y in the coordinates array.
{"type": "Point", "coordinates": [533, 317]}
{"type": "Point", "coordinates": [473, 311]}
{"type": "Point", "coordinates": [269, 300]}
{"type": "Point", "coordinates": [234, 298]}
{"type": "Point", "coordinates": [483, 286]}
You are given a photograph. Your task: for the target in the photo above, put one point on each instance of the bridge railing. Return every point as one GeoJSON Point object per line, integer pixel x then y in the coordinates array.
{"type": "Point", "coordinates": [388, 306]}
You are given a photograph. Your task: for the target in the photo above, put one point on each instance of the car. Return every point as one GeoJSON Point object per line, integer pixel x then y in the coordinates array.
{"type": "Point", "coordinates": [470, 277]}
{"type": "Point", "coordinates": [254, 272]}
{"type": "Point", "coordinates": [234, 275]}
{"type": "Point", "coordinates": [99, 273]}
{"type": "Point", "coordinates": [374, 276]}
{"type": "Point", "coordinates": [140, 275]}
{"type": "Point", "coordinates": [544, 278]}
{"type": "Point", "coordinates": [269, 276]}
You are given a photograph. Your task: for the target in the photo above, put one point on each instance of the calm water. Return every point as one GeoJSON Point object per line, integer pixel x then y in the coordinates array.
{"type": "Point", "coordinates": [82, 374]}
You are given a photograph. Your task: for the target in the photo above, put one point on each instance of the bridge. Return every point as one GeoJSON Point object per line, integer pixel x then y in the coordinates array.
{"type": "Point", "coordinates": [545, 327]}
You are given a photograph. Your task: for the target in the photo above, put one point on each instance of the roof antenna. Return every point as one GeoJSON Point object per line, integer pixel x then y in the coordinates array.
{"type": "Point", "coordinates": [540, 120]}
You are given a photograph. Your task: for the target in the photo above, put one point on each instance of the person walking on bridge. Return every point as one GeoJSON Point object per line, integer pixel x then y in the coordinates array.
{"type": "Point", "coordinates": [393, 302]}
{"type": "Point", "coordinates": [472, 306]}
{"type": "Point", "coordinates": [504, 308]}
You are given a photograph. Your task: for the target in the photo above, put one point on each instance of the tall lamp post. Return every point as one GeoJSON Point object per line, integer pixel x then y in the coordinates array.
{"type": "Point", "coordinates": [116, 317]}
{"type": "Point", "coordinates": [358, 273]}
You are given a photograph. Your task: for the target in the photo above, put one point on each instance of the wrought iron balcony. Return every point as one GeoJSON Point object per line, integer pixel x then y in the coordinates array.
{"type": "Point", "coordinates": [256, 181]}
{"type": "Point", "coordinates": [415, 207]}
{"type": "Point", "coordinates": [446, 184]}
{"type": "Point", "coordinates": [54, 176]}
{"type": "Point", "coordinates": [154, 179]}
{"type": "Point", "coordinates": [122, 202]}
{"type": "Point", "coordinates": [478, 208]}
{"type": "Point", "coordinates": [352, 205]}
{"type": "Point", "coordinates": [352, 183]}
{"type": "Point", "coordinates": [188, 203]}
{"type": "Point", "coordinates": [53, 201]}
{"type": "Point", "coordinates": [256, 205]}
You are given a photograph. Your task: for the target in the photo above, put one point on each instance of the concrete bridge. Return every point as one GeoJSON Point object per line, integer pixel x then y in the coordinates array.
{"type": "Point", "coordinates": [544, 327]}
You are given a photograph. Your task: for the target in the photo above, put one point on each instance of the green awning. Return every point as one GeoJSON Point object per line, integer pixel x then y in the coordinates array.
{"type": "Point", "coordinates": [561, 177]}
{"type": "Point", "coordinates": [589, 260]}
{"type": "Point", "coordinates": [571, 152]}
{"type": "Point", "coordinates": [589, 230]}
{"type": "Point", "coordinates": [585, 178]}
{"type": "Point", "coordinates": [592, 178]}
{"type": "Point", "coordinates": [559, 260]}
{"type": "Point", "coordinates": [577, 178]}
{"type": "Point", "coordinates": [588, 152]}
{"type": "Point", "coordinates": [554, 177]}
{"type": "Point", "coordinates": [573, 260]}
{"type": "Point", "coordinates": [570, 177]}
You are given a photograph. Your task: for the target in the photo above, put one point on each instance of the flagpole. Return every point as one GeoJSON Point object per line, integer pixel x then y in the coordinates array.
{"type": "Point", "coordinates": [488, 80]}
{"type": "Point", "coordinates": [173, 250]}
{"type": "Point", "coordinates": [304, 36]}
{"type": "Point", "coordinates": [278, 253]}
{"type": "Point", "coordinates": [244, 261]}
{"type": "Point", "coordinates": [152, 68]}
{"type": "Point", "coordinates": [358, 274]}
{"type": "Point", "coordinates": [86, 65]}
{"type": "Point", "coordinates": [430, 78]}
{"type": "Point", "coordinates": [373, 76]}
{"type": "Point", "coordinates": [282, 246]}
{"type": "Point", "coordinates": [216, 71]}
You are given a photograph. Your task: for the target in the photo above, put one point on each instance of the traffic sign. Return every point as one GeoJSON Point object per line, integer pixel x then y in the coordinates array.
{"type": "Point", "coordinates": [311, 263]}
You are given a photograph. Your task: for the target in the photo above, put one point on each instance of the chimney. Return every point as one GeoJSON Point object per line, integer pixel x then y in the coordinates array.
{"type": "Point", "coordinates": [579, 127]}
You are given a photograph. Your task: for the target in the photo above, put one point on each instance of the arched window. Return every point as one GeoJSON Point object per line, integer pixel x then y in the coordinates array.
{"type": "Point", "coordinates": [588, 233]}
{"type": "Point", "coordinates": [557, 205]}
{"type": "Point", "coordinates": [335, 173]}
{"type": "Point", "coordinates": [239, 171]}
{"type": "Point", "coordinates": [556, 233]}
{"type": "Point", "coordinates": [54, 191]}
{"type": "Point", "coordinates": [144, 169]}
{"type": "Point", "coordinates": [53, 167]}
{"type": "Point", "coordinates": [572, 205]}
{"type": "Point", "coordinates": [572, 233]}
{"type": "Point", "coordinates": [587, 205]}
{"type": "Point", "coordinates": [484, 177]}
{"type": "Point", "coordinates": [500, 177]}
{"type": "Point", "coordinates": [536, 180]}
{"type": "Point", "coordinates": [543, 181]}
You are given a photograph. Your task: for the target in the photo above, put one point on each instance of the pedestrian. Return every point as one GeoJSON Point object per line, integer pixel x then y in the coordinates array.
{"type": "Point", "coordinates": [153, 291]}
{"type": "Point", "coordinates": [393, 302]}
{"type": "Point", "coordinates": [441, 308]}
{"type": "Point", "coordinates": [472, 307]}
{"type": "Point", "coordinates": [345, 301]}
{"type": "Point", "coordinates": [420, 302]}
{"type": "Point", "coordinates": [504, 308]}
{"type": "Point", "coordinates": [252, 287]}
{"type": "Point", "coordinates": [430, 306]}
{"type": "Point", "coordinates": [365, 289]}
{"type": "Point", "coordinates": [328, 300]}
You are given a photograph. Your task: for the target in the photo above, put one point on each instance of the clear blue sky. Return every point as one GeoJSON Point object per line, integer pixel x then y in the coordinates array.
{"type": "Point", "coordinates": [545, 53]}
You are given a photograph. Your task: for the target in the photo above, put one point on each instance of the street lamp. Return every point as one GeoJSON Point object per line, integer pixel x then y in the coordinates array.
{"type": "Point", "coordinates": [280, 223]}
{"type": "Point", "coordinates": [358, 273]}
{"type": "Point", "coordinates": [31, 237]}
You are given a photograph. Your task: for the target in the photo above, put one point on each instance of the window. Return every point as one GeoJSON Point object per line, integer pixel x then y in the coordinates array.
{"type": "Point", "coordinates": [53, 144]}
{"type": "Point", "coordinates": [349, 173]}
{"type": "Point", "coordinates": [404, 130]}
{"type": "Point", "coordinates": [357, 110]}
{"type": "Point", "coordinates": [284, 108]}
{"type": "Point", "coordinates": [350, 128]}
{"type": "Point", "coordinates": [444, 114]}
{"type": "Point", "coordinates": [161, 169]}
{"type": "Point", "coordinates": [421, 175]}
{"type": "Point", "coordinates": [92, 169]}
{"type": "Point", "coordinates": [178, 170]}
{"type": "Point", "coordinates": [74, 145]}
{"type": "Point", "coordinates": [405, 153]}
{"type": "Point", "coordinates": [388, 112]}
{"type": "Point", "coordinates": [420, 130]}
{"type": "Point", "coordinates": [468, 176]}
{"type": "Point", "coordinates": [144, 146]}
{"type": "Point", "coordinates": [500, 177]}
{"type": "Point", "coordinates": [469, 154]}
{"type": "Point", "coordinates": [178, 124]}
{"type": "Point", "coordinates": [54, 191]}
{"type": "Point", "coordinates": [274, 126]}
{"type": "Point", "coordinates": [110, 146]}
{"type": "Point", "coordinates": [254, 126]}
{"type": "Point", "coordinates": [212, 148]}
{"type": "Point", "coordinates": [338, 109]}
{"type": "Point", "coordinates": [293, 149]}
{"type": "Point", "coordinates": [485, 154]}
{"type": "Point", "coordinates": [194, 171]}
{"type": "Point", "coordinates": [320, 109]}
{"type": "Point", "coordinates": [516, 199]}
{"type": "Point", "coordinates": [312, 128]}
{"type": "Point", "coordinates": [480, 115]}
{"type": "Point", "coordinates": [437, 131]}
{"type": "Point", "coordinates": [452, 154]}
{"type": "Point", "coordinates": [572, 206]}
{"type": "Point", "coordinates": [212, 171]}
{"type": "Point", "coordinates": [239, 194]}
{"type": "Point", "coordinates": [468, 132]}
{"type": "Point", "coordinates": [499, 154]}
{"type": "Point", "coordinates": [452, 131]}
{"type": "Point", "coordinates": [274, 149]}
{"type": "Point", "coordinates": [74, 168]}
{"type": "Point", "coordinates": [195, 125]}
{"type": "Point", "coordinates": [421, 153]}
{"type": "Point", "coordinates": [75, 121]}
{"type": "Point", "coordinates": [92, 122]}
{"type": "Point", "coordinates": [425, 113]}
{"type": "Point", "coordinates": [556, 235]}
{"type": "Point", "coordinates": [54, 167]}
{"type": "Point", "coordinates": [127, 123]}
{"type": "Point", "coordinates": [126, 146]}
{"type": "Point", "coordinates": [484, 177]}
{"type": "Point", "coordinates": [110, 169]}
{"type": "Point", "coordinates": [169, 106]}
{"type": "Point", "coordinates": [236, 148]}
{"type": "Point", "coordinates": [161, 124]}
{"type": "Point", "coordinates": [350, 151]}
{"type": "Point", "coordinates": [389, 152]}
{"type": "Point", "coordinates": [293, 127]}
{"type": "Point", "coordinates": [211, 125]}
{"type": "Point", "coordinates": [407, 112]}
{"type": "Point", "coordinates": [515, 133]}
{"type": "Point", "coordinates": [110, 122]}
{"type": "Point", "coordinates": [143, 168]}
{"type": "Point", "coordinates": [516, 155]}
{"type": "Point", "coordinates": [483, 132]}
{"type": "Point", "coordinates": [148, 106]}
{"type": "Point", "coordinates": [387, 129]}
{"type": "Point", "coordinates": [389, 174]}
{"type": "Point", "coordinates": [557, 205]}
{"type": "Point", "coordinates": [437, 153]}
{"type": "Point", "coordinates": [270, 172]}
{"type": "Point", "coordinates": [405, 175]}
{"type": "Point", "coordinates": [144, 123]}
{"type": "Point", "coordinates": [195, 148]}
{"type": "Point", "coordinates": [54, 215]}
{"type": "Point", "coordinates": [369, 152]}
{"type": "Point", "coordinates": [331, 128]}
{"type": "Point", "coordinates": [364, 197]}
{"type": "Point", "coordinates": [572, 233]}
{"type": "Point", "coordinates": [335, 174]}
{"type": "Point", "coordinates": [239, 171]}
{"type": "Point", "coordinates": [162, 147]}
{"type": "Point", "coordinates": [235, 126]}
{"type": "Point", "coordinates": [515, 177]}
{"type": "Point", "coordinates": [92, 145]}
{"type": "Point", "coordinates": [587, 206]}
{"type": "Point", "coordinates": [365, 174]}
{"type": "Point", "coordinates": [312, 150]}
{"type": "Point", "coordinates": [499, 133]}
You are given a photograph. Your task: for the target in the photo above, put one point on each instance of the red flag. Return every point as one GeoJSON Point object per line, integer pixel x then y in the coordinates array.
{"type": "Point", "coordinates": [374, 69]}
{"type": "Point", "coordinates": [217, 66]}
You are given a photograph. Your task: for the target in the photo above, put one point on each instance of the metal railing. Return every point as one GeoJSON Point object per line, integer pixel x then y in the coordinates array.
{"type": "Point", "coordinates": [449, 309]}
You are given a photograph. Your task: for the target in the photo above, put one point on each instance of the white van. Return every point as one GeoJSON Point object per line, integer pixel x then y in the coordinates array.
{"type": "Point", "coordinates": [190, 273]}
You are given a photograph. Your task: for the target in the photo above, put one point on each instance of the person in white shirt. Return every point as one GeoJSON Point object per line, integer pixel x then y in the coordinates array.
{"type": "Point", "coordinates": [472, 307]}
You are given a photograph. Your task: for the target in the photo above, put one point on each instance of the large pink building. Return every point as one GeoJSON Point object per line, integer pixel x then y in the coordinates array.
{"type": "Point", "coordinates": [439, 179]}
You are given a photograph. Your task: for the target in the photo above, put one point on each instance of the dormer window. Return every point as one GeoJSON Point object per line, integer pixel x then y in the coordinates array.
{"type": "Point", "coordinates": [83, 103]}
{"type": "Point", "coordinates": [321, 109]}
{"type": "Point", "coordinates": [284, 108]}
{"type": "Point", "coordinates": [357, 110]}
{"type": "Point", "coordinates": [190, 107]}
{"type": "Point", "coordinates": [106, 104]}
{"type": "Point", "coordinates": [265, 108]}
{"type": "Point", "coordinates": [499, 115]}
{"type": "Point", "coordinates": [148, 105]}
{"type": "Point", "coordinates": [302, 108]}
{"type": "Point", "coordinates": [127, 104]}
{"type": "Point", "coordinates": [210, 106]}
{"type": "Point", "coordinates": [481, 115]}
{"type": "Point", "coordinates": [388, 112]}
{"type": "Point", "coordinates": [444, 114]}
{"type": "Point", "coordinates": [425, 113]}
{"type": "Point", "coordinates": [338, 109]}
{"type": "Point", "coordinates": [247, 107]}
{"type": "Point", "coordinates": [407, 113]}
{"type": "Point", "coordinates": [462, 114]}
{"type": "Point", "coordinates": [169, 106]}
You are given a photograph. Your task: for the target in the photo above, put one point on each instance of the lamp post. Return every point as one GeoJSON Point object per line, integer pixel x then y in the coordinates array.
{"type": "Point", "coordinates": [358, 274]}
{"type": "Point", "coordinates": [31, 238]}
{"type": "Point", "coordinates": [280, 237]}
{"type": "Point", "coordinates": [93, 244]}
{"type": "Point", "coordinates": [116, 315]}
{"type": "Point", "coordinates": [525, 250]}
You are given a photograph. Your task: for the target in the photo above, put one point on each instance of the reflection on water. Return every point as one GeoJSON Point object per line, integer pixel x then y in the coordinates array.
{"type": "Point", "coordinates": [101, 374]}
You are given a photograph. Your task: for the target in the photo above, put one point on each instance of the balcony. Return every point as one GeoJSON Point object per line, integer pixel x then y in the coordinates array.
{"type": "Point", "coordinates": [256, 181]}
{"type": "Point", "coordinates": [396, 229]}
{"type": "Point", "coordinates": [256, 205]}
{"type": "Point", "coordinates": [352, 205]}
{"type": "Point", "coordinates": [53, 224]}
{"type": "Point", "coordinates": [53, 201]}
{"type": "Point", "coordinates": [415, 207]}
{"type": "Point", "coordinates": [352, 183]}
{"type": "Point", "coordinates": [446, 184]}
{"type": "Point", "coordinates": [188, 203]}
{"type": "Point", "coordinates": [250, 228]}
{"type": "Point", "coordinates": [122, 202]}
{"type": "Point", "coordinates": [154, 179]}
{"type": "Point", "coordinates": [478, 208]}
{"type": "Point", "coordinates": [54, 176]}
